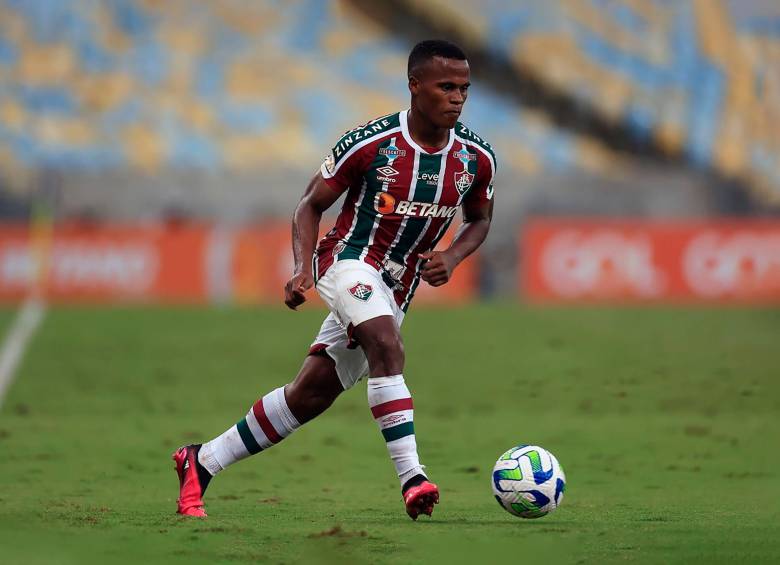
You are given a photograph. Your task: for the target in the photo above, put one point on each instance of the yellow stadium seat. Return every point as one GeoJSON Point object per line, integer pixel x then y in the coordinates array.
{"type": "Point", "coordinates": [12, 115]}
{"type": "Point", "coordinates": [245, 152]}
{"type": "Point", "coordinates": [248, 81]}
{"type": "Point", "coordinates": [187, 41]}
{"type": "Point", "coordinates": [64, 131]}
{"type": "Point", "coordinates": [594, 157]}
{"type": "Point", "coordinates": [46, 65]}
{"type": "Point", "coordinates": [249, 18]}
{"type": "Point", "coordinates": [110, 38]}
{"type": "Point", "coordinates": [13, 27]}
{"type": "Point", "coordinates": [524, 159]}
{"type": "Point", "coordinates": [145, 148]}
{"type": "Point", "coordinates": [199, 115]}
{"type": "Point", "coordinates": [101, 92]}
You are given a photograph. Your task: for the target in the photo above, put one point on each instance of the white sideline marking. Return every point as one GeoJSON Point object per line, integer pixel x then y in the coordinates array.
{"type": "Point", "coordinates": [16, 340]}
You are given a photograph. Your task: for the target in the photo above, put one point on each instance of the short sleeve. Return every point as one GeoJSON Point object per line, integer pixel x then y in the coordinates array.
{"type": "Point", "coordinates": [483, 187]}
{"type": "Point", "coordinates": [342, 169]}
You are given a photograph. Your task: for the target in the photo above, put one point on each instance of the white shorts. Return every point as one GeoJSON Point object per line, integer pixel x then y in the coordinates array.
{"type": "Point", "coordinates": [354, 292]}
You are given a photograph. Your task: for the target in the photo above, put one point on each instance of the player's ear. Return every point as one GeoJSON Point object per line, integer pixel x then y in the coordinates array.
{"type": "Point", "coordinates": [414, 84]}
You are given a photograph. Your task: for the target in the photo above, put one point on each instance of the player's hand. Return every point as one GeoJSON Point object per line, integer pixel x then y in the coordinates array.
{"type": "Point", "coordinates": [296, 287]}
{"type": "Point", "coordinates": [437, 268]}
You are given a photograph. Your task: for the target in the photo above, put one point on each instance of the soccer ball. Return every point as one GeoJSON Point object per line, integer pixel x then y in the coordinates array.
{"type": "Point", "coordinates": [528, 481]}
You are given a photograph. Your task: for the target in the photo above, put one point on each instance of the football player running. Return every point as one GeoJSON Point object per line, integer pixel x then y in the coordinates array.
{"type": "Point", "coordinates": [404, 176]}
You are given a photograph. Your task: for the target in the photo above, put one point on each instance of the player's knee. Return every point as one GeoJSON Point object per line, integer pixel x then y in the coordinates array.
{"type": "Point", "coordinates": [316, 403]}
{"type": "Point", "coordinates": [313, 391]}
{"type": "Point", "coordinates": [307, 401]}
{"type": "Point", "coordinates": [385, 353]}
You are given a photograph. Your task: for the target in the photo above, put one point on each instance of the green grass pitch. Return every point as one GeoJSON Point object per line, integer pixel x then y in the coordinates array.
{"type": "Point", "coordinates": [666, 421]}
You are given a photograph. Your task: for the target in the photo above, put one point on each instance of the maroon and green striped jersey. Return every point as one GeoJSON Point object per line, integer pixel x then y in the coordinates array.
{"type": "Point", "coordinates": [400, 198]}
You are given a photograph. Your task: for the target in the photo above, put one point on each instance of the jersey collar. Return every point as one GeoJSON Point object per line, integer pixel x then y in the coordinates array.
{"type": "Point", "coordinates": [405, 131]}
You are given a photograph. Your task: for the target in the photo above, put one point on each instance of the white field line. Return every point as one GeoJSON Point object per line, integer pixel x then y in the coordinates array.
{"type": "Point", "coordinates": [28, 318]}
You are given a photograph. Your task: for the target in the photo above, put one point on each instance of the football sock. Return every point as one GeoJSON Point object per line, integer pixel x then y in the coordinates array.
{"type": "Point", "coordinates": [204, 476]}
{"type": "Point", "coordinates": [267, 423]}
{"type": "Point", "coordinates": [391, 405]}
{"type": "Point", "coordinates": [413, 482]}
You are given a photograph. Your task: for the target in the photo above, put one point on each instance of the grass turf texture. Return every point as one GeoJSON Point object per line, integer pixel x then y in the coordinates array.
{"type": "Point", "coordinates": [664, 420]}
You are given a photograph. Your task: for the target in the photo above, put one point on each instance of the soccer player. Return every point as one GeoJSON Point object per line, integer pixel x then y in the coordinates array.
{"type": "Point", "coordinates": [405, 176]}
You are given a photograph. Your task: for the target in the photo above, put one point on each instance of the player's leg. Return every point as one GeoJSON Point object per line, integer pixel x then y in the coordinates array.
{"type": "Point", "coordinates": [382, 344]}
{"type": "Point", "coordinates": [315, 388]}
{"type": "Point", "coordinates": [360, 300]}
{"type": "Point", "coordinates": [391, 405]}
{"type": "Point", "coordinates": [276, 415]}
{"type": "Point", "coordinates": [271, 419]}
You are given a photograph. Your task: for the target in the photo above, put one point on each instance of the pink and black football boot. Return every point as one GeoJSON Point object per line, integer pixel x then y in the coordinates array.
{"type": "Point", "coordinates": [420, 495]}
{"type": "Point", "coordinates": [193, 480]}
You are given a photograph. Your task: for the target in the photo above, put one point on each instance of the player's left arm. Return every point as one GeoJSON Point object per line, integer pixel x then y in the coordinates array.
{"type": "Point", "coordinates": [477, 215]}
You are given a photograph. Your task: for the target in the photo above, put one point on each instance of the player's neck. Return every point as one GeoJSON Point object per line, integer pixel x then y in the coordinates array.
{"type": "Point", "coordinates": [424, 132]}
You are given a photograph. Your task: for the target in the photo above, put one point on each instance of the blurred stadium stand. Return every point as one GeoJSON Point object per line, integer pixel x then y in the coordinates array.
{"type": "Point", "coordinates": [147, 105]}
{"type": "Point", "coordinates": [229, 85]}
{"type": "Point", "coordinates": [696, 78]}
{"type": "Point", "coordinates": [224, 109]}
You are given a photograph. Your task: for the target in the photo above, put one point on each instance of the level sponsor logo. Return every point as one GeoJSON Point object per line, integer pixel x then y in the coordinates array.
{"type": "Point", "coordinates": [361, 291]}
{"type": "Point", "coordinates": [431, 179]}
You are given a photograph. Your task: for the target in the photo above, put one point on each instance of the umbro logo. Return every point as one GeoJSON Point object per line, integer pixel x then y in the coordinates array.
{"type": "Point", "coordinates": [393, 420]}
{"type": "Point", "coordinates": [387, 171]}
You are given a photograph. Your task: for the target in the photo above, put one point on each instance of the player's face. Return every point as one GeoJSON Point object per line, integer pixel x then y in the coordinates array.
{"type": "Point", "coordinates": [440, 88]}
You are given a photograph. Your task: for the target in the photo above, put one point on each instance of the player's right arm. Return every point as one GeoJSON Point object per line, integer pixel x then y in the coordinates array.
{"type": "Point", "coordinates": [338, 172]}
{"type": "Point", "coordinates": [319, 196]}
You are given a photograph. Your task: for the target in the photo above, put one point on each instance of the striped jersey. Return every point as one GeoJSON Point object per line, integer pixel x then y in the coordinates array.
{"type": "Point", "coordinates": [400, 198]}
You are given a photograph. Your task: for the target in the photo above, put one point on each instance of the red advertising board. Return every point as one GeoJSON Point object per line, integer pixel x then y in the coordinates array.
{"type": "Point", "coordinates": [626, 260]}
{"type": "Point", "coordinates": [106, 263]}
{"type": "Point", "coordinates": [263, 263]}
{"type": "Point", "coordinates": [165, 263]}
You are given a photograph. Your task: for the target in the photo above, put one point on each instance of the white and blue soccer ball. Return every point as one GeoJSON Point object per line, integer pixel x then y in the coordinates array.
{"type": "Point", "coordinates": [528, 481]}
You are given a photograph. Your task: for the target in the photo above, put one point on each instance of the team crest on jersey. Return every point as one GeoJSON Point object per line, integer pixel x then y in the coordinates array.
{"type": "Point", "coordinates": [339, 247]}
{"type": "Point", "coordinates": [463, 181]}
{"type": "Point", "coordinates": [362, 291]}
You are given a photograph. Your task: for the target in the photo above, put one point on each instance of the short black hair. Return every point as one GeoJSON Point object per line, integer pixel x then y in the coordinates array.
{"type": "Point", "coordinates": [431, 48]}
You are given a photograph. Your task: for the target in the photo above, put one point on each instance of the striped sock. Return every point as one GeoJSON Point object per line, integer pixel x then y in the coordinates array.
{"type": "Point", "coordinates": [267, 423]}
{"type": "Point", "coordinates": [391, 405]}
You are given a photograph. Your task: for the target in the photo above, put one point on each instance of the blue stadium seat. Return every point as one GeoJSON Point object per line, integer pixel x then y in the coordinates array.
{"type": "Point", "coordinates": [313, 68]}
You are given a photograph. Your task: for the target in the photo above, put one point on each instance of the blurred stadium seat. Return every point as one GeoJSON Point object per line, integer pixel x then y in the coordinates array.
{"type": "Point", "coordinates": [227, 85]}
{"type": "Point", "coordinates": [248, 86]}
{"type": "Point", "coordinates": [699, 76]}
